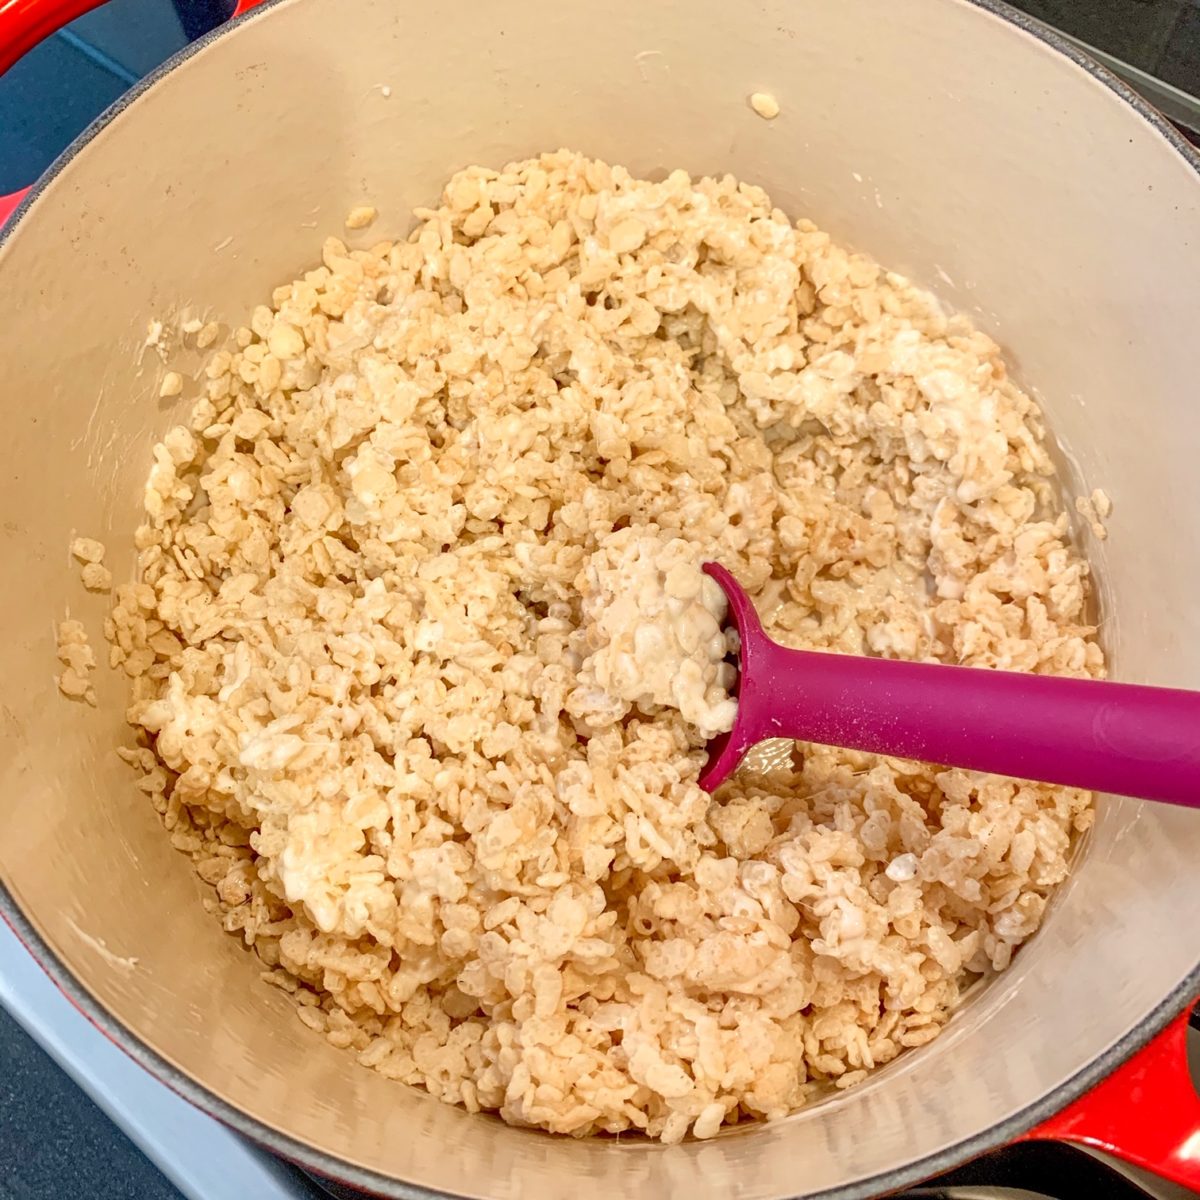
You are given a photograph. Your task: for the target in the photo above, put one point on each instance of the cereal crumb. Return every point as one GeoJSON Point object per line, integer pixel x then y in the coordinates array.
{"type": "Point", "coordinates": [765, 105]}
{"type": "Point", "coordinates": [191, 326]}
{"type": "Point", "coordinates": [156, 338]}
{"type": "Point", "coordinates": [1095, 509]}
{"type": "Point", "coordinates": [361, 217]}
{"type": "Point", "coordinates": [88, 550]}
{"type": "Point", "coordinates": [172, 384]}
{"type": "Point", "coordinates": [90, 553]}
{"type": "Point", "coordinates": [77, 659]}
{"type": "Point", "coordinates": [96, 577]}
{"type": "Point", "coordinates": [207, 335]}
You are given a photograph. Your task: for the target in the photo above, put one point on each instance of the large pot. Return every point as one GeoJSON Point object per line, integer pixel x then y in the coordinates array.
{"type": "Point", "coordinates": [952, 140]}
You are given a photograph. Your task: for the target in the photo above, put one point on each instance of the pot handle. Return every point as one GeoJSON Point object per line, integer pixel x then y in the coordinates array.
{"type": "Point", "coordinates": [8, 204]}
{"type": "Point", "coordinates": [24, 23]}
{"type": "Point", "coordinates": [1146, 1112]}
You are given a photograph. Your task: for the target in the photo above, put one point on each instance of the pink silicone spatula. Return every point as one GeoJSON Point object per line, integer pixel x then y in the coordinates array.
{"type": "Point", "coordinates": [1086, 733]}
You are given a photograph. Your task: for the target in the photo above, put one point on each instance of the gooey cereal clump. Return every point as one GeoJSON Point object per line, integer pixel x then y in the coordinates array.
{"type": "Point", "coordinates": [391, 697]}
{"type": "Point", "coordinates": [651, 636]}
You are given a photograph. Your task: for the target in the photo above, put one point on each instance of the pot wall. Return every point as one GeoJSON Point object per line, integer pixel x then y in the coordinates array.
{"type": "Point", "coordinates": [949, 144]}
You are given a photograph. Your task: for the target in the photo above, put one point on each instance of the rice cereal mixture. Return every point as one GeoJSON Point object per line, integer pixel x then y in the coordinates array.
{"type": "Point", "coordinates": [408, 581]}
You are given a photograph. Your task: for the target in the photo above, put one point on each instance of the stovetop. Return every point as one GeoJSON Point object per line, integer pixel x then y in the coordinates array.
{"type": "Point", "coordinates": [52, 1146]}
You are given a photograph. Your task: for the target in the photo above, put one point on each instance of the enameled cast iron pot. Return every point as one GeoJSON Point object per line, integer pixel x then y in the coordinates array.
{"type": "Point", "coordinates": [954, 141]}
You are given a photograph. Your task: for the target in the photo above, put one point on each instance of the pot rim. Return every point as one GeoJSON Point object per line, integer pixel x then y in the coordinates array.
{"type": "Point", "coordinates": [371, 1181]}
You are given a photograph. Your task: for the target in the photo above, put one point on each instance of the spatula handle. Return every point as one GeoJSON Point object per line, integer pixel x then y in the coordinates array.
{"type": "Point", "coordinates": [1109, 737]}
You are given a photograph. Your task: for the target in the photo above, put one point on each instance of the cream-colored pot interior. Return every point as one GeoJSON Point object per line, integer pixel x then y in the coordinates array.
{"type": "Point", "coordinates": [945, 141]}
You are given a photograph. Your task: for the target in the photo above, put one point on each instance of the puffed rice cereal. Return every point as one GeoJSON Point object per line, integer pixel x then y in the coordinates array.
{"type": "Point", "coordinates": [77, 658]}
{"type": "Point", "coordinates": [418, 590]}
{"type": "Point", "coordinates": [651, 636]}
{"type": "Point", "coordinates": [89, 553]}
